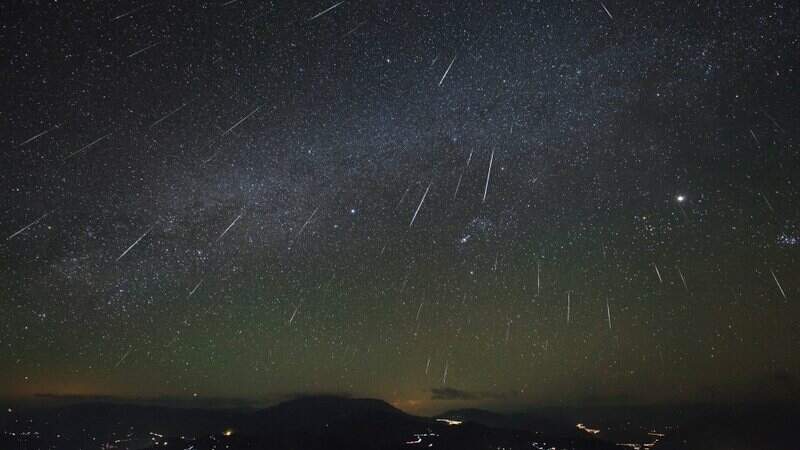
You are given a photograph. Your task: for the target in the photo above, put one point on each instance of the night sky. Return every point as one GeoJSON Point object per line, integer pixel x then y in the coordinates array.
{"type": "Point", "coordinates": [428, 202]}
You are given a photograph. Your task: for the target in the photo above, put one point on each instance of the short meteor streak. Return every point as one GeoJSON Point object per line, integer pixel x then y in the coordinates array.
{"type": "Point", "coordinates": [444, 377]}
{"type": "Point", "coordinates": [755, 138]}
{"type": "Point", "coordinates": [774, 122]}
{"type": "Point", "coordinates": [170, 114]}
{"type": "Point", "coordinates": [310, 218]}
{"type": "Point", "coordinates": [191, 293]}
{"type": "Point", "coordinates": [325, 12]}
{"type": "Point", "coordinates": [123, 357]}
{"type": "Point", "coordinates": [22, 230]}
{"type": "Point", "coordinates": [766, 201]}
{"type": "Point", "coordinates": [568, 306]}
{"type": "Point", "coordinates": [683, 279]}
{"type": "Point", "coordinates": [660, 280]}
{"type": "Point", "coordinates": [447, 71]}
{"type": "Point", "coordinates": [38, 136]}
{"type": "Point", "coordinates": [241, 121]}
{"type": "Point", "coordinates": [354, 29]}
{"type": "Point", "coordinates": [294, 314]}
{"type": "Point", "coordinates": [538, 279]}
{"type": "Point", "coordinates": [607, 11]}
{"type": "Point", "coordinates": [229, 227]}
{"type": "Point", "coordinates": [608, 312]}
{"type": "Point", "coordinates": [420, 204]}
{"type": "Point", "coordinates": [458, 185]}
{"type": "Point", "coordinates": [403, 197]}
{"type": "Point", "coordinates": [134, 244]}
{"type": "Point", "coordinates": [88, 146]}
{"type": "Point", "coordinates": [780, 288]}
{"type": "Point", "coordinates": [488, 175]}
{"type": "Point", "coordinates": [137, 52]}
{"type": "Point", "coordinates": [126, 14]}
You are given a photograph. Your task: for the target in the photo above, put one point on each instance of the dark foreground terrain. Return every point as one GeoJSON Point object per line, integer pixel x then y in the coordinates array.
{"type": "Point", "coordinates": [311, 423]}
{"type": "Point", "coordinates": [306, 423]}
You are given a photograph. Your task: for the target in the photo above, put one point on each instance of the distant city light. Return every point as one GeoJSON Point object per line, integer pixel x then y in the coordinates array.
{"type": "Point", "coordinates": [227, 433]}
{"type": "Point", "coordinates": [450, 421]}
{"type": "Point", "coordinates": [786, 240]}
{"type": "Point", "coordinates": [583, 427]}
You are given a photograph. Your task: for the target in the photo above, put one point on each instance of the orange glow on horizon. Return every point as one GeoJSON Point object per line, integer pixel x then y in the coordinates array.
{"type": "Point", "coordinates": [410, 405]}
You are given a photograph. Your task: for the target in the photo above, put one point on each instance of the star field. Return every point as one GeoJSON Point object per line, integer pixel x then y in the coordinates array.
{"type": "Point", "coordinates": [524, 202]}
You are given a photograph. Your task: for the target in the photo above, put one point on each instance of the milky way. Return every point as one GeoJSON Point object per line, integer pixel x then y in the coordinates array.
{"type": "Point", "coordinates": [546, 202]}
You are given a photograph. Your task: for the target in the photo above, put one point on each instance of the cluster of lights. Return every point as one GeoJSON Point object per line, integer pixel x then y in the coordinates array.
{"type": "Point", "coordinates": [583, 427]}
{"type": "Point", "coordinates": [786, 240]}
{"type": "Point", "coordinates": [418, 439]}
{"type": "Point", "coordinates": [450, 422]}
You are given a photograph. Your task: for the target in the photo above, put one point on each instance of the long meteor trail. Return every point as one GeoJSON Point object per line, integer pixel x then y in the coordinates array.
{"type": "Point", "coordinates": [325, 12]}
{"type": "Point", "coordinates": [241, 121]}
{"type": "Point", "coordinates": [488, 175]}
{"type": "Point", "coordinates": [22, 230]}
{"type": "Point", "coordinates": [134, 243]}
{"type": "Point", "coordinates": [420, 204]}
{"type": "Point", "coordinates": [123, 357]}
{"type": "Point", "coordinates": [606, 10]}
{"type": "Point", "coordinates": [447, 71]}
{"type": "Point", "coordinates": [305, 224]}
{"type": "Point", "coordinates": [229, 227]}
{"type": "Point", "coordinates": [87, 146]}
{"type": "Point", "coordinates": [568, 306]}
{"type": "Point", "coordinates": [683, 280]}
{"type": "Point", "coordinates": [39, 135]}
{"type": "Point", "coordinates": [170, 114]}
{"type": "Point", "coordinates": [780, 288]}
{"type": "Point", "coordinates": [191, 293]}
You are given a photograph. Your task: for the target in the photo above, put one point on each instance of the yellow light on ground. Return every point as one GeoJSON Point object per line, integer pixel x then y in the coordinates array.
{"type": "Point", "coordinates": [450, 422]}
{"type": "Point", "coordinates": [583, 427]}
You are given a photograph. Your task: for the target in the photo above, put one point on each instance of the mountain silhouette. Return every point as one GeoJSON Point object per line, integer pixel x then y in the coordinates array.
{"type": "Point", "coordinates": [307, 423]}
